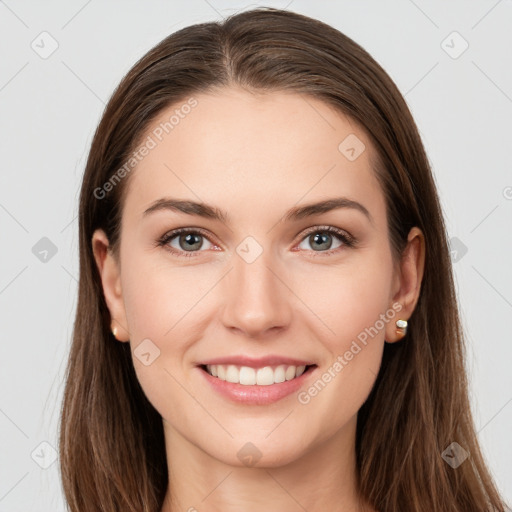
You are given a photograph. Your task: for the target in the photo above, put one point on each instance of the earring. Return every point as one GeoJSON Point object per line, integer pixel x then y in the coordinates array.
{"type": "Point", "coordinates": [401, 327]}
{"type": "Point", "coordinates": [114, 332]}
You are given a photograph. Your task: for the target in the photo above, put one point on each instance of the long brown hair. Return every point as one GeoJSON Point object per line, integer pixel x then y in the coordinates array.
{"type": "Point", "coordinates": [112, 453]}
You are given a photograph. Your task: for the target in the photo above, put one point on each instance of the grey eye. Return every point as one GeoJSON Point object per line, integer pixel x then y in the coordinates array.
{"type": "Point", "coordinates": [321, 241]}
{"type": "Point", "coordinates": [189, 242]}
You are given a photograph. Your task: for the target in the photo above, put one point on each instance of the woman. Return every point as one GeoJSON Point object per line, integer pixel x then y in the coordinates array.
{"type": "Point", "coordinates": [266, 316]}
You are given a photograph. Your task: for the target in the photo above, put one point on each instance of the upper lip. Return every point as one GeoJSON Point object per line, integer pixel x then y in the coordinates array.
{"type": "Point", "coordinates": [253, 362]}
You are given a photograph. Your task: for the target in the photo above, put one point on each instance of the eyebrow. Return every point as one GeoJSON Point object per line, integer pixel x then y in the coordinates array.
{"type": "Point", "coordinates": [293, 214]}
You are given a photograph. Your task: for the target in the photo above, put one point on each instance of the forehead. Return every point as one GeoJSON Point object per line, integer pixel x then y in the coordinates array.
{"type": "Point", "coordinates": [277, 148]}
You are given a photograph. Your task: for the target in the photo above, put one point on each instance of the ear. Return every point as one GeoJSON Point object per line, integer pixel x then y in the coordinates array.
{"type": "Point", "coordinates": [407, 282]}
{"type": "Point", "coordinates": [109, 271]}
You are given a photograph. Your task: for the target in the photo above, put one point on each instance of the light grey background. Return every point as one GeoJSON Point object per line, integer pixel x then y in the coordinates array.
{"type": "Point", "coordinates": [462, 103]}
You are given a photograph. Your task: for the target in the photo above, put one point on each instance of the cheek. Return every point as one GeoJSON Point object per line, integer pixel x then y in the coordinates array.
{"type": "Point", "coordinates": [162, 304]}
{"type": "Point", "coordinates": [351, 311]}
{"type": "Point", "coordinates": [161, 298]}
{"type": "Point", "coordinates": [165, 312]}
{"type": "Point", "coordinates": [347, 299]}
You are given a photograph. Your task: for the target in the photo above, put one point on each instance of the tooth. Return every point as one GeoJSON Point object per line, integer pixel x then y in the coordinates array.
{"type": "Point", "coordinates": [221, 372]}
{"type": "Point", "coordinates": [247, 376]}
{"type": "Point", "coordinates": [233, 374]}
{"type": "Point", "coordinates": [265, 376]}
{"type": "Point", "coordinates": [279, 374]}
{"type": "Point", "coordinates": [290, 372]}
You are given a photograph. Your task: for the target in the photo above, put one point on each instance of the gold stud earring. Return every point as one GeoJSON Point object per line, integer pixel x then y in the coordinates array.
{"type": "Point", "coordinates": [114, 332]}
{"type": "Point", "coordinates": [401, 327]}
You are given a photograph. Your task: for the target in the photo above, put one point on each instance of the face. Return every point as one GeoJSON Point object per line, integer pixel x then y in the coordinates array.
{"type": "Point", "coordinates": [259, 286]}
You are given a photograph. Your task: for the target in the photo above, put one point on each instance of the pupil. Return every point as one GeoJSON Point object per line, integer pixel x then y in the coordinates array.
{"type": "Point", "coordinates": [323, 238]}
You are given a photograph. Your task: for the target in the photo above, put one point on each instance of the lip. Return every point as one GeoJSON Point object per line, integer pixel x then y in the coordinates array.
{"type": "Point", "coordinates": [260, 362]}
{"type": "Point", "coordinates": [256, 395]}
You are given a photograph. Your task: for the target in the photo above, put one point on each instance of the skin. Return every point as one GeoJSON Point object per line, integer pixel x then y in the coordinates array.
{"type": "Point", "coordinates": [255, 156]}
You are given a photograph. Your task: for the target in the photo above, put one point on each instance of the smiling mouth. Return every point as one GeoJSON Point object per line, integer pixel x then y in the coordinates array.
{"type": "Point", "coordinates": [247, 376]}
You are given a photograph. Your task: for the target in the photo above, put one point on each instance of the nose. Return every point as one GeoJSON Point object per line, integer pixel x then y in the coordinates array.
{"type": "Point", "coordinates": [257, 298]}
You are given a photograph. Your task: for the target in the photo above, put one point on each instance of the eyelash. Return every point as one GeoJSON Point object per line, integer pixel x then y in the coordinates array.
{"type": "Point", "coordinates": [348, 240]}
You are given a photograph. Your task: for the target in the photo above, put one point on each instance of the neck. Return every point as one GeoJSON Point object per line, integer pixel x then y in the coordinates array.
{"type": "Point", "coordinates": [323, 478]}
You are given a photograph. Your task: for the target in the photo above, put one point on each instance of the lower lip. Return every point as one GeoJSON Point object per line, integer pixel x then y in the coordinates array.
{"type": "Point", "coordinates": [256, 395]}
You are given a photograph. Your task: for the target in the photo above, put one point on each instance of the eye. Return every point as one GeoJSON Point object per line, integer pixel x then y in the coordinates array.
{"type": "Point", "coordinates": [185, 241]}
{"type": "Point", "coordinates": [320, 238]}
